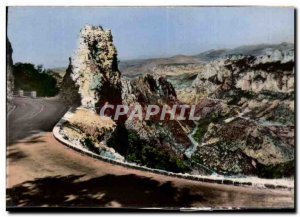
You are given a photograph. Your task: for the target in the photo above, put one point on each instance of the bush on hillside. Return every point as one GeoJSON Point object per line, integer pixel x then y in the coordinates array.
{"type": "Point", "coordinates": [29, 77]}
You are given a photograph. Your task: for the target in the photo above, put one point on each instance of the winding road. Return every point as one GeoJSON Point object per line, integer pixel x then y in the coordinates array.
{"type": "Point", "coordinates": [42, 172]}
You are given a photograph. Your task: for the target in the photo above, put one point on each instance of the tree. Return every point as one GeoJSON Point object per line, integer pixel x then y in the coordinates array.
{"type": "Point", "coordinates": [31, 78]}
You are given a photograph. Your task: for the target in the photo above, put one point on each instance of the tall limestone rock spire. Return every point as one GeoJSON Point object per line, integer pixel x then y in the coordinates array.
{"type": "Point", "coordinates": [95, 68]}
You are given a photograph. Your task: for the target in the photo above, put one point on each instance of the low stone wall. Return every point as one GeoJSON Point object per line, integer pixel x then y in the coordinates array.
{"type": "Point", "coordinates": [257, 182]}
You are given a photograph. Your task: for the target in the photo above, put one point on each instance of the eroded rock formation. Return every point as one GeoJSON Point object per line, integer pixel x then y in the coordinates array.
{"type": "Point", "coordinates": [95, 68]}
{"type": "Point", "coordinates": [94, 73]}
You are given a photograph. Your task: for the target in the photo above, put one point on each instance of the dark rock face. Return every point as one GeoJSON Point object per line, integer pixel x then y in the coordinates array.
{"type": "Point", "coordinates": [165, 136]}
{"type": "Point", "coordinates": [69, 90]}
{"type": "Point", "coordinates": [9, 71]}
{"type": "Point", "coordinates": [154, 90]}
{"type": "Point", "coordinates": [150, 89]}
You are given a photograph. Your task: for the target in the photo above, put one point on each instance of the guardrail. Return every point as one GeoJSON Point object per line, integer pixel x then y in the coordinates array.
{"type": "Point", "coordinates": [23, 93]}
{"type": "Point", "coordinates": [263, 183]}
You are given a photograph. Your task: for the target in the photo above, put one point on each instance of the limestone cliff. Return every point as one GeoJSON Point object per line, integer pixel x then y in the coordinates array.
{"type": "Point", "coordinates": [255, 83]}
{"type": "Point", "coordinates": [249, 73]}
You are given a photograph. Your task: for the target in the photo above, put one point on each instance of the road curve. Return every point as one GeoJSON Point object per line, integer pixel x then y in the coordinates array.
{"type": "Point", "coordinates": [30, 116]}
{"type": "Point", "coordinates": [43, 172]}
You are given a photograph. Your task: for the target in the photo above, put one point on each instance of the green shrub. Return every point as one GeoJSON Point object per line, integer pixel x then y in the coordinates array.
{"type": "Point", "coordinates": [29, 77]}
{"type": "Point", "coordinates": [201, 129]}
{"type": "Point", "coordinates": [88, 143]}
{"type": "Point", "coordinates": [197, 159]}
{"type": "Point", "coordinates": [203, 125]}
{"type": "Point", "coordinates": [143, 152]}
{"type": "Point", "coordinates": [277, 171]}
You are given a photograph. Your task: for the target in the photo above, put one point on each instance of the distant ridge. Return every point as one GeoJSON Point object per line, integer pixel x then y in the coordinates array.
{"type": "Point", "coordinates": [141, 66]}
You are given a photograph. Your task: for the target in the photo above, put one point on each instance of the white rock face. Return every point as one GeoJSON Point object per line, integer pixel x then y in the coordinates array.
{"type": "Point", "coordinates": [276, 55]}
{"type": "Point", "coordinates": [94, 64]}
{"type": "Point", "coordinates": [212, 72]}
{"type": "Point", "coordinates": [253, 74]}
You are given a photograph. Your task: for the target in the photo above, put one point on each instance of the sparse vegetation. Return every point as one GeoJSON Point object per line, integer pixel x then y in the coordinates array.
{"type": "Point", "coordinates": [145, 152]}
{"type": "Point", "coordinates": [236, 95]}
{"type": "Point", "coordinates": [88, 143]}
{"type": "Point", "coordinates": [277, 171]}
{"type": "Point", "coordinates": [203, 126]}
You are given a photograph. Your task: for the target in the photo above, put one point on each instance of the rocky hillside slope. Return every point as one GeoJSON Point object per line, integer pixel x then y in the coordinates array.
{"type": "Point", "coordinates": [259, 137]}
{"type": "Point", "coordinates": [256, 83]}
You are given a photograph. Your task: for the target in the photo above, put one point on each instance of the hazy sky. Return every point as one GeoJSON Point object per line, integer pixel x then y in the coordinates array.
{"type": "Point", "coordinates": [49, 35]}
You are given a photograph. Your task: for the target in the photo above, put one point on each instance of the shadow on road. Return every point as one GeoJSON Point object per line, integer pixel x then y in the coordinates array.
{"type": "Point", "coordinates": [34, 139]}
{"type": "Point", "coordinates": [15, 155]}
{"type": "Point", "coordinates": [69, 191]}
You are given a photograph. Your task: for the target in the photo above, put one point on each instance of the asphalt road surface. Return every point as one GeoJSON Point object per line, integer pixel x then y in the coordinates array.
{"type": "Point", "coordinates": [42, 172]}
{"type": "Point", "coordinates": [29, 116]}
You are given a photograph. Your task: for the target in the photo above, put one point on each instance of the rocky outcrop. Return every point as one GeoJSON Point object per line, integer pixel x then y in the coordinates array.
{"type": "Point", "coordinates": [255, 83]}
{"type": "Point", "coordinates": [96, 68]}
{"type": "Point", "coordinates": [69, 90]}
{"type": "Point", "coordinates": [248, 73]}
{"type": "Point", "coordinates": [93, 73]}
{"type": "Point", "coordinates": [154, 90]}
{"type": "Point", "coordinates": [9, 71]}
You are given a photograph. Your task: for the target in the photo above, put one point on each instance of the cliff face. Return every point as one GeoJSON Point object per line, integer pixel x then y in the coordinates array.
{"type": "Point", "coordinates": [9, 71]}
{"type": "Point", "coordinates": [256, 74]}
{"type": "Point", "coordinates": [256, 83]}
